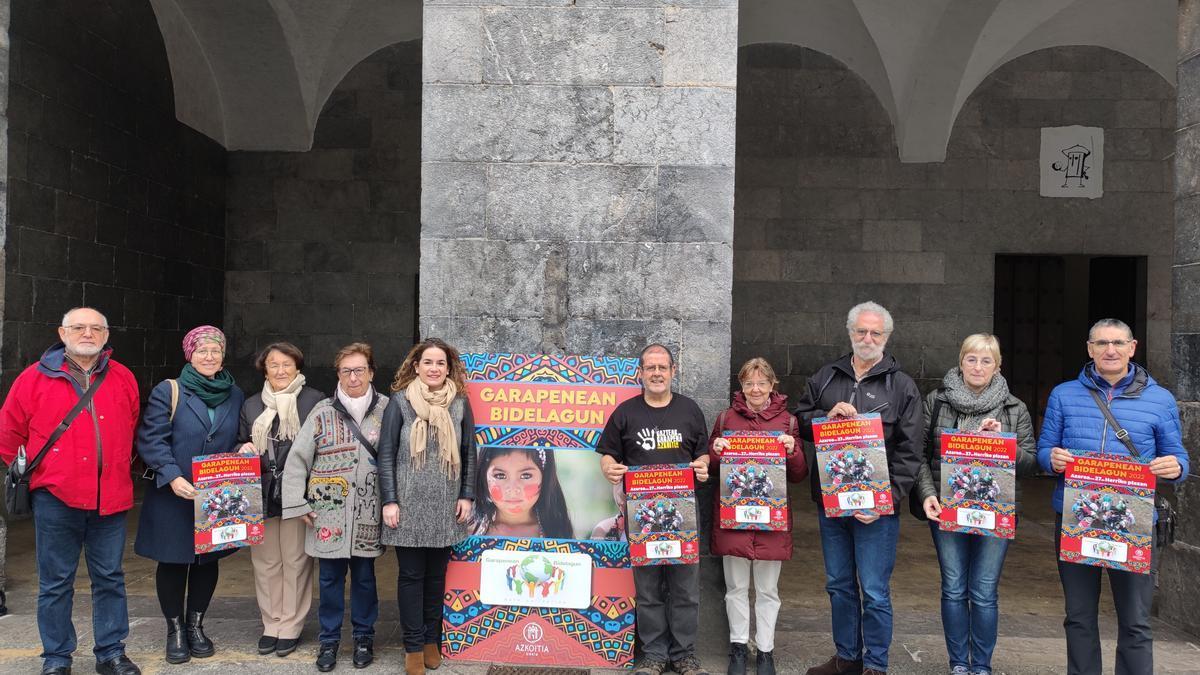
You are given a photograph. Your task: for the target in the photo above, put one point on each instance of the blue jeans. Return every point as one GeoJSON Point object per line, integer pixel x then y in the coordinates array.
{"type": "Point", "coordinates": [364, 602]}
{"type": "Point", "coordinates": [971, 566]}
{"type": "Point", "coordinates": [859, 556]}
{"type": "Point", "coordinates": [60, 533]}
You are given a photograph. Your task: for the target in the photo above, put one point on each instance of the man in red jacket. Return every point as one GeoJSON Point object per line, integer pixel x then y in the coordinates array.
{"type": "Point", "coordinates": [82, 487]}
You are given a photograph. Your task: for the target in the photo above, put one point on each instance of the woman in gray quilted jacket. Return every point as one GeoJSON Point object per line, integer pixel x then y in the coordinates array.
{"type": "Point", "coordinates": [973, 397]}
{"type": "Point", "coordinates": [426, 471]}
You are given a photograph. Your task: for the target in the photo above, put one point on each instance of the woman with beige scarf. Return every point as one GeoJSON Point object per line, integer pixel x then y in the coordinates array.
{"type": "Point", "coordinates": [426, 467]}
{"type": "Point", "coordinates": [283, 572]}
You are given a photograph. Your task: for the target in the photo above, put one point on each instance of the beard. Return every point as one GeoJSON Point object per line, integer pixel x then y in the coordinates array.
{"type": "Point", "coordinates": [868, 353]}
{"type": "Point", "coordinates": [84, 350]}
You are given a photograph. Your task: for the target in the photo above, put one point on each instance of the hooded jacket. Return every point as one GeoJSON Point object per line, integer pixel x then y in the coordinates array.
{"type": "Point", "coordinates": [885, 389]}
{"type": "Point", "coordinates": [1145, 409]}
{"type": "Point", "coordinates": [78, 472]}
{"type": "Point", "coordinates": [755, 544]}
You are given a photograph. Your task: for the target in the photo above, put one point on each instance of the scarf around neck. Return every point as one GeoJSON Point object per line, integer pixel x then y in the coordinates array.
{"type": "Point", "coordinates": [433, 413]}
{"type": "Point", "coordinates": [357, 407]}
{"type": "Point", "coordinates": [281, 404]}
{"type": "Point", "coordinates": [212, 391]}
{"type": "Point", "coordinates": [973, 408]}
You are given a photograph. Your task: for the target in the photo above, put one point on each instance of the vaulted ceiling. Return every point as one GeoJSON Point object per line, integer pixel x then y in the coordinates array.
{"type": "Point", "coordinates": [254, 74]}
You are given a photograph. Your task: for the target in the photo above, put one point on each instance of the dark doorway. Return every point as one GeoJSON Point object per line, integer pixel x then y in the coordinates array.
{"type": "Point", "coordinates": [1043, 307]}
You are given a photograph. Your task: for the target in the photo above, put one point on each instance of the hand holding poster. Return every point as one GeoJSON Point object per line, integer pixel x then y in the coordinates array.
{"type": "Point", "coordinates": [979, 483]}
{"type": "Point", "coordinates": [228, 503]}
{"type": "Point", "coordinates": [753, 482]}
{"type": "Point", "coordinates": [1108, 512]}
{"type": "Point", "coordinates": [660, 505]}
{"type": "Point", "coordinates": [852, 462]}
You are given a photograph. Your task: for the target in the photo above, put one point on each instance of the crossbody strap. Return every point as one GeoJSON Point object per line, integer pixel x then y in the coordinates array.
{"type": "Point", "coordinates": [1122, 434]}
{"type": "Point", "coordinates": [66, 423]}
{"type": "Point", "coordinates": [358, 434]}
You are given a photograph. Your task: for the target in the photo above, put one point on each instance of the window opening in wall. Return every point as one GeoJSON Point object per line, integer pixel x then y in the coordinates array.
{"type": "Point", "coordinates": [1043, 307]}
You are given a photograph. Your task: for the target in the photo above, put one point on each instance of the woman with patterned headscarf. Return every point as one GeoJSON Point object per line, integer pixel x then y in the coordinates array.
{"type": "Point", "coordinates": [195, 414]}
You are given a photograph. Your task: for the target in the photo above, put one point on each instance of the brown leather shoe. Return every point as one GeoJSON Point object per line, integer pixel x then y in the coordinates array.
{"type": "Point", "coordinates": [837, 666]}
{"type": "Point", "coordinates": [414, 663]}
{"type": "Point", "coordinates": [433, 657]}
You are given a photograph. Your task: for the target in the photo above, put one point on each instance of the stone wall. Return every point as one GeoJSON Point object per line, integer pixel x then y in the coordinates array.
{"type": "Point", "coordinates": [577, 167]}
{"type": "Point", "coordinates": [1181, 563]}
{"type": "Point", "coordinates": [827, 216]}
{"type": "Point", "coordinates": [322, 246]}
{"type": "Point", "coordinates": [111, 201]}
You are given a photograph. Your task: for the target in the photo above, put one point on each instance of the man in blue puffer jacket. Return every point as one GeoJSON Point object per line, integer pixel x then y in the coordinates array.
{"type": "Point", "coordinates": [1073, 420]}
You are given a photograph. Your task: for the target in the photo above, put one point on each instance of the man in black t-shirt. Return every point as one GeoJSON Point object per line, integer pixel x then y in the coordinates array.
{"type": "Point", "coordinates": [660, 427]}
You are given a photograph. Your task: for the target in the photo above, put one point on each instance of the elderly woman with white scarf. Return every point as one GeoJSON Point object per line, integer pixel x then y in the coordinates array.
{"type": "Point", "coordinates": [331, 483]}
{"type": "Point", "coordinates": [283, 573]}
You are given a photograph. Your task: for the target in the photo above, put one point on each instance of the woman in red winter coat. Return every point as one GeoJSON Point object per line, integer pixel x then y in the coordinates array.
{"type": "Point", "coordinates": [757, 553]}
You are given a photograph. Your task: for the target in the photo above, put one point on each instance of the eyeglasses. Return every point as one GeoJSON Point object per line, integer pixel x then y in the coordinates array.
{"type": "Point", "coordinates": [986, 361]}
{"type": "Point", "coordinates": [863, 332]}
{"type": "Point", "coordinates": [79, 328]}
{"type": "Point", "coordinates": [209, 353]}
{"type": "Point", "coordinates": [760, 384]}
{"type": "Point", "coordinates": [1104, 344]}
{"type": "Point", "coordinates": [352, 372]}
{"type": "Point", "coordinates": [281, 366]}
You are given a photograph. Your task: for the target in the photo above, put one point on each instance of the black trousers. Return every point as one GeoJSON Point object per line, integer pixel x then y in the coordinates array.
{"type": "Point", "coordinates": [175, 582]}
{"type": "Point", "coordinates": [419, 592]}
{"type": "Point", "coordinates": [1132, 596]}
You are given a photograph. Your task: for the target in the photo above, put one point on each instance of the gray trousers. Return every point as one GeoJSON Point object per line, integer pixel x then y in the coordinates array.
{"type": "Point", "coordinates": [1132, 596]}
{"type": "Point", "coordinates": [668, 610]}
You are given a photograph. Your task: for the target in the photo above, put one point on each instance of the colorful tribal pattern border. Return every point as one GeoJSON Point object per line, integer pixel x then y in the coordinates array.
{"type": "Point", "coordinates": [1092, 486]}
{"type": "Point", "coordinates": [611, 370]}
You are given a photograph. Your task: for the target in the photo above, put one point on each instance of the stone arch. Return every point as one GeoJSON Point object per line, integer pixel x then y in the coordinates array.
{"type": "Point", "coordinates": [331, 234]}
{"type": "Point", "coordinates": [256, 75]}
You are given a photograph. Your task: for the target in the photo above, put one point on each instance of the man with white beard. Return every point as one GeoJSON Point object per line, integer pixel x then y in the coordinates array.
{"type": "Point", "coordinates": [80, 486]}
{"type": "Point", "coordinates": [860, 550]}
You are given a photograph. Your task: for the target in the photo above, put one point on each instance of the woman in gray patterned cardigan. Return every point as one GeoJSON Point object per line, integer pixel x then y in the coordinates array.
{"type": "Point", "coordinates": [331, 482]}
{"type": "Point", "coordinates": [426, 470]}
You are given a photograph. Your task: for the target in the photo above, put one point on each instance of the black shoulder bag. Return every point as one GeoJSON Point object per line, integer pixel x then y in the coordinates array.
{"type": "Point", "coordinates": [17, 498]}
{"type": "Point", "coordinates": [337, 405]}
{"type": "Point", "coordinates": [1164, 528]}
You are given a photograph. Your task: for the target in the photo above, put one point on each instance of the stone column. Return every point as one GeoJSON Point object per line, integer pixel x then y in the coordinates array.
{"type": "Point", "coordinates": [1180, 563]}
{"type": "Point", "coordinates": [4, 79]}
{"type": "Point", "coordinates": [577, 179]}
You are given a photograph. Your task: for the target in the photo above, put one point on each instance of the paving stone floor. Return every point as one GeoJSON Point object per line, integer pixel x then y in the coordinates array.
{"type": "Point", "coordinates": [1030, 641]}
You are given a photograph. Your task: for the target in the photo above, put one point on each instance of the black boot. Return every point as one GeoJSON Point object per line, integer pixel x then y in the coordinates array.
{"type": "Point", "coordinates": [327, 656]}
{"type": "Point", "coordinates": [766, 663]}
{"type": "Point", "coordinates": [201, 646]}
{"type": "Point", "coordinates": [177, 641]}
{"type": "Point", "coordinates": [737, 659]}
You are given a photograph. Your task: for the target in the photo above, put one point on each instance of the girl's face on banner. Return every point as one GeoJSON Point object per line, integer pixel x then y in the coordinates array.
{"type": "Point", "coordinates": [514, 484]}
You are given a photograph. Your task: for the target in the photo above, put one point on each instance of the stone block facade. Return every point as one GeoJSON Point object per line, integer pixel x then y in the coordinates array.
{"type": "Point", "coordinates": [578, 179]}
{"type": "Point", "coordinates": [322, 247]}
{"type": "Point", "coordinates": [827, 216]}
{"type": "Point", "coordinates": [111, 201]}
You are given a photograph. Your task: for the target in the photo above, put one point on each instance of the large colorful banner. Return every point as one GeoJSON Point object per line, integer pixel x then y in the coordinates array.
{"type": "Point", "coordinates": [753, 478]}
{"type": "Point", "coordinates": [979, 483]}
{"type": "Point", "coordinates": [852, 465]}
{"type": "Point", "coordinates": [228, 505]}
{"type": "Point", "coordinates": [1108, 512]}
{"type": "Point", "coordinates": [543, 581]}
{"type": "Point", "coordinates": [661, 513]}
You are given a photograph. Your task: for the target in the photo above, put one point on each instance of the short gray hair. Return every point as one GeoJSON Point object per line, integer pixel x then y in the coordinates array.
{"type": "Point", "coordinates": [1110, 323]}
{"type": "Point", "coordinates": [872, 308]}
{"type": "Point", "coordinates": [76, 309]}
